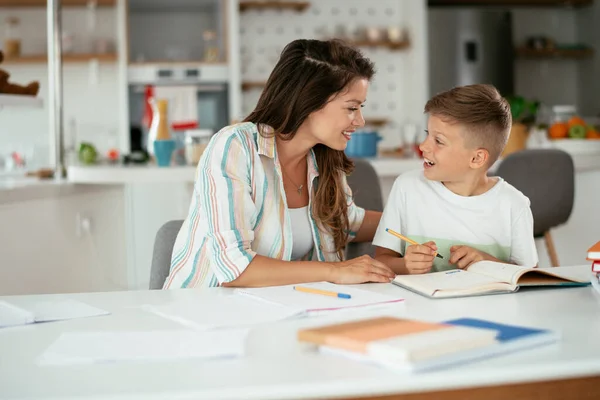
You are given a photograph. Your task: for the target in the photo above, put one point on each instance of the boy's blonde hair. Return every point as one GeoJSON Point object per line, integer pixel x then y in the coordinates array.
{"type": "Point", "coordinates": [482, 110]}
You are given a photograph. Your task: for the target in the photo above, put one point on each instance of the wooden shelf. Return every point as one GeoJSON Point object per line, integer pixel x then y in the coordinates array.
{"type": "Point", "coordinates": [277, 5]}
{"type": "Point", "coordinates": [511, 3]}
{"type": "Point", "coordinates": [402, 45]}
{"type": "Point", "coordinates": [64, 3]}
{"type": "Point", "coordinates": [66, 58]}
{"type": "Point", "coordinates": [249, 85]}
{"type": "Point", "coordinates": [376, 121]}
{"type": "Point", "coordinates": [524, 52]}
{"type": "Point", "coordinates": [14, 100]}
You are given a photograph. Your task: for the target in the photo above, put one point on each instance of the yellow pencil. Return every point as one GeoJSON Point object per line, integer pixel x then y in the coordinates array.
{"type": "Point", "coordinates": [407, 240]}
{"type": "Point", "coordinates": [323, 292]}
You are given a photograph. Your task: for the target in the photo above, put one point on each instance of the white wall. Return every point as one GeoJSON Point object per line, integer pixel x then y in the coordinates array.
{"type": "Point", "coordinates": [552, 81]}
{"type": "Point", "coordinates": [400, 88]}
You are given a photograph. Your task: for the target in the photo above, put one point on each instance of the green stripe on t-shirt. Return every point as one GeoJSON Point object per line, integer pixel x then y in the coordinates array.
{"type": "Point", "coordinates": [495, 250]}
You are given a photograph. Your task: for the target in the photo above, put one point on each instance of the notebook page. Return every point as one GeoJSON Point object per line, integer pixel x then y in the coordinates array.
{"type": "Point", "coordinates": [108, 347]}
{"type": "Point", "coordinates": [55, 310]}
{"type": "Point", "coordinates": [231, 311]}
{"type": "Point", "coordinates": [11, 315]}
{"type": "Point", "coordinates": [502, 272]}
{"type": "Point", "coordinates": [310, 302]}
{"type": "Point", "coordinates": [556, 276]}
{"type": "Point", "coordinates": [453, 280]}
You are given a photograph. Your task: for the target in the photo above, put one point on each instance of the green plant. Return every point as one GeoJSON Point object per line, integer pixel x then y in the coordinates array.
{"type": "Point", "coordinates": [523, 111]}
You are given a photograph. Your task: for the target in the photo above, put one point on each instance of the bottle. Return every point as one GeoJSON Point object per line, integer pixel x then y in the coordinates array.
{"type": "Point", "coordinates": [12, 43]}
{"type": "Point", "coordinates": [160, 142]}
{"type": "Point", "coordinates": [211, 49]}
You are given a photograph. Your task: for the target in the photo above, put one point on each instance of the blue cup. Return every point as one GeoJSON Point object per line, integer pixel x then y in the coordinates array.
{"type": "Point", "coordinates": [163, 151]}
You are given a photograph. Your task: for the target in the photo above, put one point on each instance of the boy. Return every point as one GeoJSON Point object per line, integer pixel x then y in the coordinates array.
{"type": "Point", "coordinates": [452, 206]}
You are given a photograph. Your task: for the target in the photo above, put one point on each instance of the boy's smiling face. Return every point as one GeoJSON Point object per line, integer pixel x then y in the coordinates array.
{"type": "Point", "coordinates": [446, 155]}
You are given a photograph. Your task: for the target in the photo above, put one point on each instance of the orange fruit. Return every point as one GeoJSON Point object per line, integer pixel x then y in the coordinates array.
{"type": "Point", "coordinates": [576, 121]}
{"type": "Point", "coordinates": [592, 134]}
{"type": "Point", "coordinates": [558, 130]}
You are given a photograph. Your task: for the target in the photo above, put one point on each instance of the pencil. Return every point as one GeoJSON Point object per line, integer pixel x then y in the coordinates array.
{"type": "Point", "coordinates": [323, 292]}
{"type": "Point", "coordinates": [407, 240]}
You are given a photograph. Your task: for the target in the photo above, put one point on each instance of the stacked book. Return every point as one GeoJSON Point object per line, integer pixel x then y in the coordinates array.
{"type": "Point", "coordinates": [593, 255]}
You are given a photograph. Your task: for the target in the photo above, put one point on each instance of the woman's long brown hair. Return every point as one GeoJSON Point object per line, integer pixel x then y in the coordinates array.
{"type": "Point", "coordinates": [307, 75]}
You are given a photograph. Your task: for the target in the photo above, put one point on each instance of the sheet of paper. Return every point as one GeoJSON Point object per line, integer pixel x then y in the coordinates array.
{"type": "Point", "coordinates": [229, 311]}
{"type": "Point", "coordinates": [63, 309]}
{"type": "Point", "coordinates": [310, 302]}
{"type": "Point", "coordinates": [11, 315]}
{"type": "Point", "coordinates": [110, 347]}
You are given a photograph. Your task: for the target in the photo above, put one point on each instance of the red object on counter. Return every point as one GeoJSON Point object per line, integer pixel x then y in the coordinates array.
{"type": "Point", "coordinates": [113, 155]}
{"type": "Point", "coordinates": [418, 150]}
{"type": "Point", "coordinates": [148, 94]}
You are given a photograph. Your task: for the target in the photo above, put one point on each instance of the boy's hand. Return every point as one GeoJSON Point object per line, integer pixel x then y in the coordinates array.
{"type": "Point", "coordinates": [418, 258]}
{"type": "Point", "coordinates": [464, 256]}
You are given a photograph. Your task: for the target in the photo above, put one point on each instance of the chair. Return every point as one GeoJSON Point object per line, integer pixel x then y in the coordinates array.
{"type": "Point", "coordinates": [547, 177]}
{"type": "Point", "coordinates": [161, 256]}
{"type": "Point", "coordinates": [366, 190]}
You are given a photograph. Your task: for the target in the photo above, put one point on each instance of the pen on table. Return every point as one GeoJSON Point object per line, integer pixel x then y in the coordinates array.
{"type": "Point", "coordinates": [322, 292]}
{"type": "Point", "coordinates": [399, 236]}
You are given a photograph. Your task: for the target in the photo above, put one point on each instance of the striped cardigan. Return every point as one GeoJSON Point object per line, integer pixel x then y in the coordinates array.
{"type": "Point", "coordinates": [239, 210]}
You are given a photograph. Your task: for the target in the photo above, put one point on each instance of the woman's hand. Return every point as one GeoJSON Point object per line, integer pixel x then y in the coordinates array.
{"type": "Point", "coordinates": [360, 270]}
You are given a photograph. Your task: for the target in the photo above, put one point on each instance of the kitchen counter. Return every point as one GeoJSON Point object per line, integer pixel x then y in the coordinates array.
{"type": "Point", "coordinates": [386, 167]}
{"type": "Point", "coordinates": [105, 174]}
{"type": "Point", "coordinates": [18, 189]}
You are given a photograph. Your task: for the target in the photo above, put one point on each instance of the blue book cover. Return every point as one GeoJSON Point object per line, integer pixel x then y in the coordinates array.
{"type": "Point", "coordinates": [510, 338]}
{"type": "Point", "coordinates": [506, 333]}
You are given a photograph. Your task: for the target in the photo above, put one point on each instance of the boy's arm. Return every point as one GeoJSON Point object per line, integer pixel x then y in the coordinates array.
{"type": "Point", "coordinates": [417, 259]}
{"type": "Point", "coordinates": [464, 256]}
{"type": "Point", "coordinates": [368, 227]}
{"type": "Point", "coordinates": [392, 259]}
{"type": "Point", "coordinates": [391, 219]}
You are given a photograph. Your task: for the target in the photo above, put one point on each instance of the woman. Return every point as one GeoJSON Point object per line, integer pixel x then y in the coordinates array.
{"type": "Point", "coordinates": [271, 205]}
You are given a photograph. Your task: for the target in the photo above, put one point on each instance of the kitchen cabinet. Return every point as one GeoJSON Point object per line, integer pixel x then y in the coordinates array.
{"type": "Point", "coordinates": [178, 31]}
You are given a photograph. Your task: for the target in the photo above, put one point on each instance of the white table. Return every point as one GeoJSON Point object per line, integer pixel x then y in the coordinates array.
{"type": "Point", "coordinates": [288, 370]}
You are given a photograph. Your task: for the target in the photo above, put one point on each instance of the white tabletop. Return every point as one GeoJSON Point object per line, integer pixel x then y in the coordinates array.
{"type": "Point", "coordinates": [277, 367]}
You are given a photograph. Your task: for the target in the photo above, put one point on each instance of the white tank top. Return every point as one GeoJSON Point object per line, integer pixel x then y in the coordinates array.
{"type": "Point", "coordinates": [301, 232]}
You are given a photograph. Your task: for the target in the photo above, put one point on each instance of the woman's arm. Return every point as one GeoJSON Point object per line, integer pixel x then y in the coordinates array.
{"type": "Point", "coordinates": [368, 227]}
{"type": "Point", "coordinates": [223, 188]}
{"type": "Point", "coordinates": [265, 271]}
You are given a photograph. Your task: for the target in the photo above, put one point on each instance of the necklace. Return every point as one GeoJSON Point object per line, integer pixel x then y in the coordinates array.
{"type": "Point", "coordinates": [298, 187]}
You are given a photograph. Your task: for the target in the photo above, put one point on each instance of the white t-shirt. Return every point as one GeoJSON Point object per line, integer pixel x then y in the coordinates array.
{"type": "Point", "coordinates": [301, 232]}
{"type": "Point", "coordinates": [498, 222]}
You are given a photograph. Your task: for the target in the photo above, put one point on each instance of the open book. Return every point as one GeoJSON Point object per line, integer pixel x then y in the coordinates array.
{"type": "Point", "coordinates": [489, 277]}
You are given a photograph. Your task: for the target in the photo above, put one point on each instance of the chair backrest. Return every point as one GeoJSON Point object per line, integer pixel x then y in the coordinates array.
{"type": "Point", "coordinates": [547, 177]}
{"type": "Point", "coordinates": [366, 190]}
{"type": "Point", "coordinates": [161, 256]}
